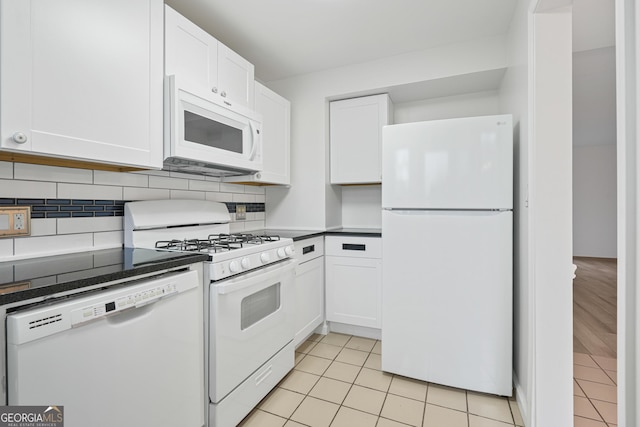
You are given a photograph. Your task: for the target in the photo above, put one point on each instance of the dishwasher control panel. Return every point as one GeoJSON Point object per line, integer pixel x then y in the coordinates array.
{"type": "Point", "coordinates": [137, 298]}
{"type": "Point", "coordinates": [53, 317]}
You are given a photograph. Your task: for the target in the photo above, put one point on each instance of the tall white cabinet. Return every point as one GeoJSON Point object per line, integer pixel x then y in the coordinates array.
{"type": "Point", "coordinates": [276, 129]}
{"type": "Point", "coordinates": [208, 65]}
{"type": "Point", "coordinates": [356, 138]}
{"type": "Point", "coordinates": [82, 80]}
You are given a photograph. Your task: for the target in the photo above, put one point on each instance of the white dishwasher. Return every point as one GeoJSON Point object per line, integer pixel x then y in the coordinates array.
{"type": "Point", "coordinates": [129, 356]}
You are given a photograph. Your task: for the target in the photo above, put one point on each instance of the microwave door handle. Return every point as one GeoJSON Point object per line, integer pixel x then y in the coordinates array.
{"type": "Point", "coordinates": [254, 140]}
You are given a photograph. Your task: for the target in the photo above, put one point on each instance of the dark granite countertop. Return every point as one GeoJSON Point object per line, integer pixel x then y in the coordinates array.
{"type": "Point", "coordinates": [40, 277]}
{"type": "Point", "coordinates": [307, 234]}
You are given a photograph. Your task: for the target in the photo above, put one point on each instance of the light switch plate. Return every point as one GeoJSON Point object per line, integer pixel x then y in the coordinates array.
{"type": "Point", "coordinates": [15, 221]}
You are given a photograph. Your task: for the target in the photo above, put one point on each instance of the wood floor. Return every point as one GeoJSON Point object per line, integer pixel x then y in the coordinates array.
{"type": "Point", "coordinates": [594, 306]}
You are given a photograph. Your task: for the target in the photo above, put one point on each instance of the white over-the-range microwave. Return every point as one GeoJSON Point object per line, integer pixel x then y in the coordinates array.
{"type": "Point", "coordinates": [204, 136]}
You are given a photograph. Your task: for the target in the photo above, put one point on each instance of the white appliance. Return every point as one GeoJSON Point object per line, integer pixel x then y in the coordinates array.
{"type": "Point", "coordinates": [249, 285]}
{"type": "Point", "coordinates": [205, 135]}
{"type": "Point", "coordinates": [447, 252]}
{"type": "Point", "coordinates": [128, 356]}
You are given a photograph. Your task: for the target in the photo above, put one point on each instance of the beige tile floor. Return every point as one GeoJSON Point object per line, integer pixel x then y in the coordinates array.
{"type": "Point", "coordinates": [337, 382]}
{"type": "Point", "coordinates": [594, 391]}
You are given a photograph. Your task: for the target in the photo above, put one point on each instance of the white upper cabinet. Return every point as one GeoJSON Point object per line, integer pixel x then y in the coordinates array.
{"type": "Point", "coordinates": [276, 130]}
{"type": "Point", "coordinates": [206, 64]}
{"type": "Point", "coordinates": [356, 138]}
{"type": "Point", "coordinates": [82, 80]}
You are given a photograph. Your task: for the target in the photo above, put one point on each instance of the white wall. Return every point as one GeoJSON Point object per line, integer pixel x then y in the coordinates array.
{"type": "Point", "coordinates": [362, 206]}
{"type": "Point", "coordinates": [594, 201]}
{"type": "Point", "coordinates": [467, 105]}
{"type": "Point", "coordinates": [594, 153]}
{"type": "Point", "coordinates": [310, 192]}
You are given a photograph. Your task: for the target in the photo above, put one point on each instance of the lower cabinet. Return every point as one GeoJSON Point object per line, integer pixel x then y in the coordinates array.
{"type": "Point", "coordinates": [353, 267]}
{"type": "Point", "coordinates": [309, 307]}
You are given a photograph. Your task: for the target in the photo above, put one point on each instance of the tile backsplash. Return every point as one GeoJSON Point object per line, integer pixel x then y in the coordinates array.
{"type": "Point", "coordinates": [76, 210]}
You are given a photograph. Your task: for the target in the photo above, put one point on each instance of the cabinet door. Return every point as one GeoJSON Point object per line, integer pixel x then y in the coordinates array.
{"type": "Point", "coordinates": [276, 128]}
{"type": "Point", "coordinates": [356, 138]}
{"type": "Point", "coordinates": [309, 310]}
{"type": "Point", "coordinates": [235, 78]}
{"type": "Point", "coordinates": [83, 79]}
{"type": "Point", "coordinates": [354, 290]}
{"type": "Point", "coordinates": [190, 52]}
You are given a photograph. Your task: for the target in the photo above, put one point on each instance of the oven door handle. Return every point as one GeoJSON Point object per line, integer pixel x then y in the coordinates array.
{"type": "Point", "coordinates": [251, 279]}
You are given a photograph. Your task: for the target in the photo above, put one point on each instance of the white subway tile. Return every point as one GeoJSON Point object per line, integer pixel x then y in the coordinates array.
{"type": "Point", "coordinates": [254, 225]}
{"type": "Point", "coordinates": [182, 194]}
{"type": "Point", "coordinates": [43, 227]}
{"type": "Point", "coordinates": [89, 225]}
{"type": "Point", "coordinates": [6, 273]}
{"type": "Point", "coordinates": [236, 227]}
{"type": "Point", "coordinates": [186, 176]}
{"type": "Point", "coordinates": [255, 216]}
{"type": "Point", "coordinates": [120, 178]}
{"type": "Point", "coordinates": [254, 189]}
{"type": "Point", "coordinates": [261, 199]}
{"type": "Point", "coordinates": [168, 183]}
{"type": "Point", "coordinates": [204, 185]}
{"type": "Point", "coordinates": [52, 173]}
{"type": "Point", "coordinates": [219, 197]}
{"type": "Point", "coordinates": [232, 216]}
{"type": "Point", "coordinates": [51, 245]}
{"type": "Point", "coordinates": [6, 248]}
{"type": "Point", "coordinates": [231, 188]}
{"type": "Point", "coordinates": [244, 198]}
{"type": "Point", "coordinates": [81, 191]}
{"type": "Point", "coordinates": [212, 178]}
{"type": "Point", "coordinates": [134, 193]}
{"type": "Point", "coordinates": [27, 189]}
{"type": "Point", "coordinates": [109, 239]}
{"type": "Point", "coordinates": [6, 170]}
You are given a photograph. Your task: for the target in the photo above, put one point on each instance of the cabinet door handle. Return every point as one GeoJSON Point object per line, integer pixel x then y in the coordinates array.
{"type": "Point", "coordinates": [223, 94]}
{"type": "Point", "coordinates": [214, 89]}
{"type": "Point", "coordinates": [354, 247]}
{"type": "Point", "coordinates": [308, 249]}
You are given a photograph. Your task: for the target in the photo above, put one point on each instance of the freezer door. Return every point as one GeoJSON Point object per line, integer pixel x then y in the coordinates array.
{"type": "Point", "coordinates": [448, 164]}
{"type": "Point", "coordinates": [447, 298]}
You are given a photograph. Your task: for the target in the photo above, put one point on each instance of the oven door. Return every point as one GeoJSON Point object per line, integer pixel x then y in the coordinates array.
{"type": "Point", "coordinates": [203, 131]}
{"type": "Point", "coordinates": [251, 319]}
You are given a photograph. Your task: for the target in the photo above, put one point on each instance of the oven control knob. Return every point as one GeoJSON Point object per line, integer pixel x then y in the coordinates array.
{"type": "Point", "coordinates": [264, 257]}
{"type": "Point", "coordinates": [288, 250]}
{"type": "Point", "coordinates": [234, 266]}
{"type": "Point", "coordinates": [245, 263]}
{"type": "Point", "coordinates": [281, 253]}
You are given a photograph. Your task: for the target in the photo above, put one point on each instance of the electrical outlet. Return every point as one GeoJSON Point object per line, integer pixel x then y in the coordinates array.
{"type": "Point", "coordinates": [15, 221]}
{"type": "Point", "coordinates": [241, 212]}
{"type": "Point", "coordinates": [19, 221]}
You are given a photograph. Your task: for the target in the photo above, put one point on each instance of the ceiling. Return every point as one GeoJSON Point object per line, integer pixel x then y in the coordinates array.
{"type": "Point", "coordinates": [283, 38]}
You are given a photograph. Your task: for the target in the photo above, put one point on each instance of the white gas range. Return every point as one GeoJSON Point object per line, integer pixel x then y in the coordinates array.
{"type": "Point", "coordinates": [248, 298]}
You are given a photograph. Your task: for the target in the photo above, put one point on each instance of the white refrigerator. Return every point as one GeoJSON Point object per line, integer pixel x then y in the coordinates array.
{"type": "Point", "coordinates": [447, 220]}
